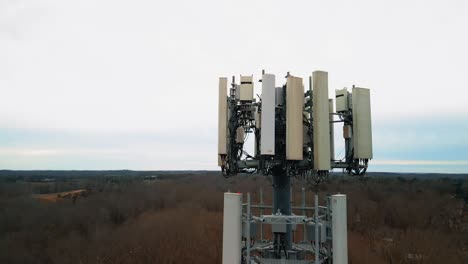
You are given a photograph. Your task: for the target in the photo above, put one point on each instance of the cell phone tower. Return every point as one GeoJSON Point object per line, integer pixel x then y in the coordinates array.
{"type": "Point", "coordinates": [294, 137]}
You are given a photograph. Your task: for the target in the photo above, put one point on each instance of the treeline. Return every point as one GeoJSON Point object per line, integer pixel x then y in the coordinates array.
{"type": "Point", "coordinates": [64, 175]}
{"type": "Point", "coordinates": [127, 219]}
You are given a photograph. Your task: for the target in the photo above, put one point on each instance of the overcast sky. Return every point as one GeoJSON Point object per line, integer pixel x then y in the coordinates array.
{"type": "Point", "coordinates": [107, 84]}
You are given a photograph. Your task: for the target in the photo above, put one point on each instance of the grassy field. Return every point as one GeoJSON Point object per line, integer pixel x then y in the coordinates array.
{"type": "Point", "coordinates": [178, 217]}
{"type": "Point", "coordinates": [55, 197]}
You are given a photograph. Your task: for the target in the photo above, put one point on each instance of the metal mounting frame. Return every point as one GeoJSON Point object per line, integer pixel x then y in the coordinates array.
{"type": "Point", "coordinates": [321, 216]}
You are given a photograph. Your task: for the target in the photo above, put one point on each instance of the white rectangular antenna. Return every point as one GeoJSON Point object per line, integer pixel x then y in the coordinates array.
{"type": "Point", "coordinates": [339, 229]}
{"type": "Point", "coordinates": [362, 123]}
{"type": "Point", "coordinates": [341, 100]}
{"type": "Point", "coordinates": [321, 120]}
{"type": "Point", "coordinates": [294, 117]}
{"type": "Point", "coordinates": [232, 227]}
{"type": "Point", "coordinates": [246, 88]}
{"type": "Point", "coordinates": [332, 130]}
{"type": "Point", "coordinates": [267, 132]}
{"type": "Point", "coordinates": [222, 118]}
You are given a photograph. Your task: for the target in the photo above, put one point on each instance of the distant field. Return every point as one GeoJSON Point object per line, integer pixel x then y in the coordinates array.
{"type": "Point", "coordinates": [54, 197]}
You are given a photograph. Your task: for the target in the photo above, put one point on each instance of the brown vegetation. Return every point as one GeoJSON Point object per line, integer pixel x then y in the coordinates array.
{"type": "Point", "coordinates": [178, 219]}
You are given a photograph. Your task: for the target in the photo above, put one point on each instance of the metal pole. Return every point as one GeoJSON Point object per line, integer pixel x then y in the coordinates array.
{"type": "Point", "coordinates": [291, 202]}
{"type": "Point", "coordinates": [281, 200]}
{"type": "Point", "coordinates": [328, 219]}
{"type": "Point", "coordinates": [317, 245]}
{"type": "Point", "coordinates": [247, 229]}
{"type": "Point", "coordinates": [291, 198]}
{"type": "Point", "coordinates": [303, 213]}
{"type": "Point", "coordinates": [261, 213]}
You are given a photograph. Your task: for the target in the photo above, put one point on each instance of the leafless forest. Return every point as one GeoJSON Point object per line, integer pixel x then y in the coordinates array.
{"type": "Point", "coordinates": [177, 218]}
